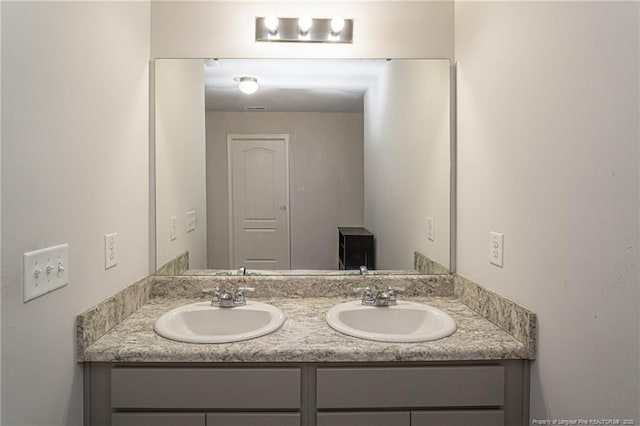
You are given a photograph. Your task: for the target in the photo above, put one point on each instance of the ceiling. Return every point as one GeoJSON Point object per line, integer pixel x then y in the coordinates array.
{"type": "Point", "coordinates": [286, 85]}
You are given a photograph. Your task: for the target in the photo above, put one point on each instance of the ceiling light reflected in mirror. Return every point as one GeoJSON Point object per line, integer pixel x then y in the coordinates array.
{"type": "Point", "coordinates": [247, 85]}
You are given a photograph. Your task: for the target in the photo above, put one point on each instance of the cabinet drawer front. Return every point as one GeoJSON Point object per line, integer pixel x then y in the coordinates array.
{"type": "Point", "coordinates": [205, 388]}
{"type": "Point", "coordinates": [457, 418]}
{"type": "Point", "coordinates": [157, 419]}
{"type": "Point", "coordinates": [415, 387]}
{"type": "Point", "coordinates": [253, 419]}
{"type": "Point", "coordinates": [402, 418]}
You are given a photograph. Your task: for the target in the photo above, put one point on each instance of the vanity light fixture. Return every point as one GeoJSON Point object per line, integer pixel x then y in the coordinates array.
{"type": "Point", "coordinates": [304, 29]}
{"type": "Point", "coordinates": [247, 85]}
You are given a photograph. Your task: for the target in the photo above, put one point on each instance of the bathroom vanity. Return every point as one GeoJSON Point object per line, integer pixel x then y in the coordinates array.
{"type": "Point", "coordinates": [305, 373]}
{"type": "Point", "coordinates": [327, 394]}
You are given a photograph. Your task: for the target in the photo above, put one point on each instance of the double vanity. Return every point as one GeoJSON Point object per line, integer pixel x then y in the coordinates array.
{"type": "Point", "coordinates": [218, 322]}
{"type": "Point", "coordinates": [306, 351]}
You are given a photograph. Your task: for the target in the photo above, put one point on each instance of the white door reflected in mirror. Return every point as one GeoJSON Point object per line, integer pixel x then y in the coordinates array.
{"type": "Point", "coordinates": [258, 182]}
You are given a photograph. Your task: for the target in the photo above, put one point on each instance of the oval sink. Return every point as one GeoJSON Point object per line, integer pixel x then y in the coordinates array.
{"type": "Point", "coordinates": [404, 322]}
{"type": "Point", "coordinates": [202, 323]}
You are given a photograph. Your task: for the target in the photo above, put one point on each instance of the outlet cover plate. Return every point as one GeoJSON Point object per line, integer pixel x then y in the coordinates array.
{"type": "Point", "coordinates": [430, 230]}
{"type": "Point", "coordinates": [191, 220]}
{"type": "Point", "coordinates": [110, 250]}
{"type": "Point", "coordinates": [174, 228]}
{"type": "Point", "coordinates": [45, 270]}
{"type": "Point", "coordinates": [496, 248]}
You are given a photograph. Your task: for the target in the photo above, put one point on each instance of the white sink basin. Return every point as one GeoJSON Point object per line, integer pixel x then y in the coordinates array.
{"type": "Point", "coordinates": [202, 323]}
{"type": "Point", "coordinates": [404, 322]}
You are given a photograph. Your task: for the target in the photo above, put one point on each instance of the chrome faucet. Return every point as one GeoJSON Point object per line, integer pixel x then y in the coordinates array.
{"type": "Point", "coordinates": [364, 270]}
{"type": "Point", "coordinates": [242, 270]}
{"type": "Point", "coordinates": [228, 299]}
{"type": "Point", "coordinates": [381, 298]}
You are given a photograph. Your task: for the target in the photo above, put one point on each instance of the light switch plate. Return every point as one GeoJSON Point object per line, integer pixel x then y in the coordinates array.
{"type": "Point", "coordinates": [191, 220]}
{"type": "Point", "coordinates": [430, 230]}
{"type": "Point", "coordinates": [45, 270]}
{"type": "Point", "coordinates": [174, 228]}
{"type": "Point", "coordinates": [110, 250]}
{"type": "Point", "coordinates": [496, 248]}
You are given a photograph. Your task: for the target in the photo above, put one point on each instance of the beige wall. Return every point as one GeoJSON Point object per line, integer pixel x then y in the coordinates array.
{"type": "Point", "coordinates": [548, 153]}
{"type": "Point", "coordinates": [75, 107]}
{"type": "Point", "coordinates": [407, 162]}
{"type": "Point", "coordinates": [199, 29]}
{"type": "Point", "coordinates": [325, 180]}
{"type": "Point", "coordinates": [180, 159]}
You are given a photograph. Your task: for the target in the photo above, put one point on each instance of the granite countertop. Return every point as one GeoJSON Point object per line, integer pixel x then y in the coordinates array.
{"type": "Point", "coordinates": [304, 337]}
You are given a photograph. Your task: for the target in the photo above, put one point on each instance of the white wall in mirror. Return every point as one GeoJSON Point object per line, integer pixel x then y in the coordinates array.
{"type": "Point", "coordinates": [180, 160]}
{"type": "Point", "coordinates": [408, 162]}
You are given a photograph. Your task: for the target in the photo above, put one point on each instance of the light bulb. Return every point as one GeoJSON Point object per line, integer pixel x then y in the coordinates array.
{"type": "Point", "coordinates": [248, 85]}
{"type": "Point", "coordinates": [337, 24]}
{"type": "Point", "coordinates": [271, 22]}
{"type": "Point", "coordinates": [304, 24]}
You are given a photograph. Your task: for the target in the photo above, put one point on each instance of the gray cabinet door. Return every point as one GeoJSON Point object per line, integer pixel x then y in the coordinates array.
{"type": "Point", "coordinates": [458, 418]}
{"type": "Point", "coordinates": [158, 419]}
{"type": "Point", "coordinates": [400, 418]}
{"type": "Point", "coordinates": [205, 388]}
{"type": "Point", "coordinates": [373, 388]}
{"type": "Point", "coordinates": [253, 419]}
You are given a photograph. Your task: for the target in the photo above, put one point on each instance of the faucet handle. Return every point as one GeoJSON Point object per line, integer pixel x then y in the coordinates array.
{"type": "Point", "coordinates": [367, 295]}
{"type": "Point", "coordinates": [391, 291]}
{"type": "Point", "coordinates": [215, 293]}
{"type": "Point", "coordinates": [240, 299]}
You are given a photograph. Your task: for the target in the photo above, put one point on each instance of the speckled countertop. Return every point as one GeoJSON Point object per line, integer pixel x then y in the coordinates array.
{"type": "Point", "coordinates": [304, 337]}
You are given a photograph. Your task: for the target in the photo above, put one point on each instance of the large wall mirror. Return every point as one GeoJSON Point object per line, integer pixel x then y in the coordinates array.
{"type": "Point", "coordinates": [327, 165]}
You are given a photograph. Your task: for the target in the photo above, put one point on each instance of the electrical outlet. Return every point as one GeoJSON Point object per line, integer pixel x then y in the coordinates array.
{"type": "Point", "coordinates": [191, 221]}
{"type": "Point", "coordinates": [45, 270]}
{"type": "Point", "coordinates": [430, 230]}
{"type": "Point", "coordinates": [174, 228]}
{"type": "Point", "coordinates": [496, 248]}
{"type": "Point", "coordinates": [110, 250]}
